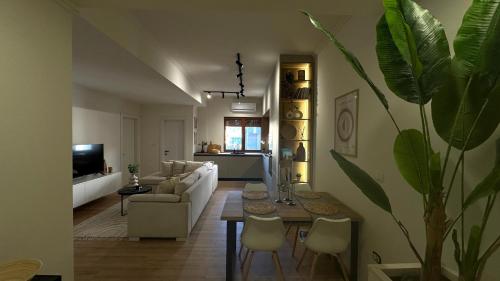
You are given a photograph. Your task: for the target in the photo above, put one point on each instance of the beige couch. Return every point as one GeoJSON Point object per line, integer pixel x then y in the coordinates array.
{"type": "Point", "coordinates": [172, 215]}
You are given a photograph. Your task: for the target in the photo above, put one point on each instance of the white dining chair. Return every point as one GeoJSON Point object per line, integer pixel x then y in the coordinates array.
{"type": "Point", "coordinates": [298, 187]}
{"type": "Point", "coordinates": [255, 187]}
{"type": "Point", "coordinates": [262, 234]}
{"type": "Point", "coordinates": [327, 236]}
{"type": "Point", "coordinates": [252, 187]}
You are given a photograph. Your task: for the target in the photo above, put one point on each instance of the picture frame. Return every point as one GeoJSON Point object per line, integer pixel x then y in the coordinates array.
{"type": "Point", "coordinates": [346, 123]}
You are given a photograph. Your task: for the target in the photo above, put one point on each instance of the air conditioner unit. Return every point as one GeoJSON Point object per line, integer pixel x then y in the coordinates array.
{"type": "Point", "coordinates": [243, 107]}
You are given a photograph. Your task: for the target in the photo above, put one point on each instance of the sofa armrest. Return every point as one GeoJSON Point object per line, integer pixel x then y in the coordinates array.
{"type": "Point", "coordinates": [168, 198]}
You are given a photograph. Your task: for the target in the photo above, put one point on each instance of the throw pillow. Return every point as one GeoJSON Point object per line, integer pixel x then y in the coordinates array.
{"type": "Point", "coordinates": [178, 167]}
{"type": "Point", "coordinates": [166, 168]}
{"type": "Point", "coordinates": [185, 184]}
{"type": "Point", "coordinates": [167, 186]}
{"type": "Point", "coordinates": [192, 165]}
{"type": "Point", "coordinates": [182, 176]}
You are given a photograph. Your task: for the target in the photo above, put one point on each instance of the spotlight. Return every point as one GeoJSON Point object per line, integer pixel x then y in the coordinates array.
{"type": "Point", "coordinates": [209, 95]}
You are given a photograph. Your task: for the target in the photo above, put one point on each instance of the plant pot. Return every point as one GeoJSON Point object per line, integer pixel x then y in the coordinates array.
{"type": "Point", "coordinates": [134, 180]}
{"type": "Point", "coordinates": [391, 272]}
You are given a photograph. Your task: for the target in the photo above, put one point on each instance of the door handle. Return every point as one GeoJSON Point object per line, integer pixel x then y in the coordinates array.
{"type": "Point", "coordinates": [166, 152]}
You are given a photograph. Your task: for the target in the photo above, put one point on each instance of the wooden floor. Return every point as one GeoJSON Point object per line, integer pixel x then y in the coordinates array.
{"type": "Point", "coordinates": [202, 257]}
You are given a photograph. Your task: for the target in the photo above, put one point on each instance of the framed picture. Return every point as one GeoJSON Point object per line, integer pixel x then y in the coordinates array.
{"type": "Point", "coordinates": [346, 124]}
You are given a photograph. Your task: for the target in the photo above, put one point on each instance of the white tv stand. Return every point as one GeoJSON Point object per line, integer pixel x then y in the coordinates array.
{"type": "Point", "coordinates": [94, 187]}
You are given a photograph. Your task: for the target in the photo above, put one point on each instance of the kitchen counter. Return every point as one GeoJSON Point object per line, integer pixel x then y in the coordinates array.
{"type": "Point", "coordinates": [246, 166]}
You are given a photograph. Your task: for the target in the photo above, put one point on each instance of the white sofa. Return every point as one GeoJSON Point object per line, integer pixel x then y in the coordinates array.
{"type": "Point", "coordinates": [156, 216]}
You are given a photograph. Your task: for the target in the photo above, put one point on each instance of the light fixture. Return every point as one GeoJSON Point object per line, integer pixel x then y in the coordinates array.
{"type": "Point", "coordinates": [239, 76]}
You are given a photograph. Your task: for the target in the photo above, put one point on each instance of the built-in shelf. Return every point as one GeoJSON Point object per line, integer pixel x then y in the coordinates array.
{"type": "Point", "coordinates": [296, 97]}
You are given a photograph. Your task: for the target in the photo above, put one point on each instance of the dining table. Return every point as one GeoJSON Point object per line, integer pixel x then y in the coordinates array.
{"type": "Point", "coordinates": [233, 212]}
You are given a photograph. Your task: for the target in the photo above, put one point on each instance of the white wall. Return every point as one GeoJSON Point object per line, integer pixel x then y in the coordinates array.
{"type": "Point", "coordinates": [97, 119]}
{"type": "Point", "coordinates": [375, 140]}
{"type": "Point", "coordinates": [35, 144]}
{"type": "Point", "coordinates": [211, 117]}
{"type": "Point", "coordinates": [151, 122]}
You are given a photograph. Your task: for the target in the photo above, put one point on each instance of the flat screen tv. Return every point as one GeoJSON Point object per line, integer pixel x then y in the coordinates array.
{"type": "Point", "coordinates": [88, 159]}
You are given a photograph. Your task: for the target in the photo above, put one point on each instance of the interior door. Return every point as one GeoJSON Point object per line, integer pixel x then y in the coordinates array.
{"type": "Point", "coordinates": [172, 147]}
{"type": "Point", "coordinates": [129, 145]}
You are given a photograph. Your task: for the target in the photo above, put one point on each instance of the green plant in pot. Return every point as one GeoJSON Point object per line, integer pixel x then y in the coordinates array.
{"type": "Point", "coordinates": [464, 92]}
{"type": "Point", "coordinates": [133, 169]}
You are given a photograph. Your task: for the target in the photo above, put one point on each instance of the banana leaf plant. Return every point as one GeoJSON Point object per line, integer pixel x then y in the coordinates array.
{"type": "Point", "coordinates": [464, 92]}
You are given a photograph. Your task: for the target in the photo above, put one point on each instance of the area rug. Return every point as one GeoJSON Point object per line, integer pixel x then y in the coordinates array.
{"type": "Point", "coordinates": [107, 225]}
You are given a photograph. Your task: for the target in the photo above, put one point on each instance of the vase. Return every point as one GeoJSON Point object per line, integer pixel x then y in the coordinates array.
{"type": "Point", "coordinates": [300, 155]}
{"type": "Point", "coordinates": [134, 180]}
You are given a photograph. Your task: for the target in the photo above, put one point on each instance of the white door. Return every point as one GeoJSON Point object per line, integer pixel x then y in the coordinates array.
{"type": "Point", "coordinates": [172, 143]}
{"type": "Point", "coordinates": [129, 145]}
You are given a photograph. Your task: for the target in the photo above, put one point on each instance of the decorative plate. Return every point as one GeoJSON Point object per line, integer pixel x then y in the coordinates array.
{"type": "Point", "coordinates": [307, 194]}
{"type": "Point", "coordinates": [320, 208]}
{"type": "Point", "coordinates": [288, 131]}
{"type": "Point", "coordinates": [254, 195]}
{"type": "Point", "coordinates": [259, 208]}
{"type": "Point", "coordinates": [20, 269]}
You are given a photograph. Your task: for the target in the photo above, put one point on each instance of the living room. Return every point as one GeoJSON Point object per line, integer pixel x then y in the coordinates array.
{"type": "Point", "coordinates": [197, 132]}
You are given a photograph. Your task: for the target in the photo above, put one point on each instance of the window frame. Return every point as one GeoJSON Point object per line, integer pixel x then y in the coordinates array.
{"type": "Point", "coordinates": [244, 121]}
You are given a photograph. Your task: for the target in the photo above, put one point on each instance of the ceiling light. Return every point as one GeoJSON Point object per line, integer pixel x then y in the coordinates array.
{"type": "Point", "coordinates": [209, 96]}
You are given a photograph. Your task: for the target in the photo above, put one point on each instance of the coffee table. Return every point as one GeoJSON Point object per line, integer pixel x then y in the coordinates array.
{"type": "Point", "coordinates": [131, 190]}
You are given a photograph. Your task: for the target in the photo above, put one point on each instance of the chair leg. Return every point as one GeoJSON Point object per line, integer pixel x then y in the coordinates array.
{"type": "Point", "coordinates": [278, 266]}
{"type": "Point", "coordinates": [245, 259]}
{"type": "Point", "coordinates": [345, 274]}
{"type": "Point", "coordinates": [247, 266]}
{"type": "Point", "coordinates": [296, 237]}
{"type": "Point", "coordinates": [313, 267]}
{"type": "Point", "coordinates": [241, 249]}
{"type": "Point", "coordinates": [302, 258]}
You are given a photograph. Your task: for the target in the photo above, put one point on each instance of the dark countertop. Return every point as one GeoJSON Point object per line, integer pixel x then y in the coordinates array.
{"type": "Point", "coordinates": [229, 154]}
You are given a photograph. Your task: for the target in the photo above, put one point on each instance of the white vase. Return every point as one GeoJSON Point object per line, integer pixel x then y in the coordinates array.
{"type": "Point", "coordinates": [134, 180]}
{"type": "Point", "coordinates": [384, 272]}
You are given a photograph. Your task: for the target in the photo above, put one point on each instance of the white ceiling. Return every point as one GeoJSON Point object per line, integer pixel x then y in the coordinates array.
{"type": "Point", "coordinates": [203, 37]}
{"type": "Point", "coordinates": [99, 63]}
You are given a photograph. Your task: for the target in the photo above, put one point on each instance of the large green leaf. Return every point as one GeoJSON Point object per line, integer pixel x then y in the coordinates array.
{"type": "Point", "coordinates": [409, 152]}
{"type": "Point", "coordinates": [469, 264]}
{"type": "Point", "coordinates": [401, 34]}
{"type": "Point", "coordinates": [488, 186]}
{"type": "Point", "coordinates": [364, 182]}
{"type": "Point", "coordinates": [478, 39]}
{"type": "Point", "coordinates": [356, 65]}
{"type": "Point", "coordinates": [427, 37]}
{"type": "Point", "coordinates": [477, 47]}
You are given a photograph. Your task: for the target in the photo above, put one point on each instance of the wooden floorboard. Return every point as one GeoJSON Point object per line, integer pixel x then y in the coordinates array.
{"type": "Point", "coordinates": [201, 257]}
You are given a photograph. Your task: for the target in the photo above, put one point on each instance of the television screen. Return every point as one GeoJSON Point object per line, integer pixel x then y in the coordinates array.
{"type": "Point", "coordinates": [88, 159]}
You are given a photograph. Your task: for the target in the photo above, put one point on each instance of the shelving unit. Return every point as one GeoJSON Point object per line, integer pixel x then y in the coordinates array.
{"type": "Point", "coordinates": [296, 110]}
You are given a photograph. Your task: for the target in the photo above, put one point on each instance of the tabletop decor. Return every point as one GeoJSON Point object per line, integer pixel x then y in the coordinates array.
{"type": "Point", "coordinates": [320, 208]}
{"type": "Point", "coordinates": [20, 269]}
{"type": "Point", "coordinates": [414, 56]}
{"type": "Point", "coordinates": [259, 208]}
{"type": "Point", "coordinates": [308, 194]}
{"type": "Point", "coordinates": [254, 195]}
{"type": "Point", "coordinates": [133, 169]}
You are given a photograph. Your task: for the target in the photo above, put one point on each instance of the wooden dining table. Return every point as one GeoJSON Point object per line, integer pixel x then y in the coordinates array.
{"type": "Point", "coordinates": [233, 212]}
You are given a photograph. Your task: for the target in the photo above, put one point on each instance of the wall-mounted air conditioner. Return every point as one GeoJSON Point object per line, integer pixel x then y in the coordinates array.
{"type": "Point", "coordinates": [243, 107]}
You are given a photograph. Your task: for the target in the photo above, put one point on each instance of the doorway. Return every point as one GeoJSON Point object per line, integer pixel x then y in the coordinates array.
{"type": "Point", "coordinates": [130, 144]}
{"type": "Point", "coordinates": [172, 140]}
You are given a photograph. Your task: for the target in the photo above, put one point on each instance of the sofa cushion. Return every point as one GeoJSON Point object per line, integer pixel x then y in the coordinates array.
{"type": "Point", "coordinates": [152, 180]}
{"type": "Point", "coordinates": [191, 166]}
{"type": "Point", "coordinates": [202, 171]}
{"type": "Point", "coordinates": [167, 186]}
{"type": "Point", "coordinates": [166, 168]}
{"type": "Point", "coordinates": [170, 198]}
{"type": "Point", "coordinates": [182, 176]}
{"type": "Point", "coordinates": [185, 184]}
{"type": "Point", "coordinates": [178, 167]}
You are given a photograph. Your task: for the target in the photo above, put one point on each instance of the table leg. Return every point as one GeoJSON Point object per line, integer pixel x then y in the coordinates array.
{"type": "Point", "coordinates": [354, 250]}
{"type": "Point", "coordinates": [230, 250]}
{"type": "Point", "coordinates": [121, 210]}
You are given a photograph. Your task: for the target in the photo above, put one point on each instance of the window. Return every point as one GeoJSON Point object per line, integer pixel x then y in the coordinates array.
{"type": "Point", "coordinates": [242, 133]}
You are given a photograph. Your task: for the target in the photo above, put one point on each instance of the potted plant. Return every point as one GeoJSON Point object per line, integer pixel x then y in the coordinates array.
{"type": "Point", "coordinates": [464, 92]}
{"type": "Point", "coordinates": [133, 169]}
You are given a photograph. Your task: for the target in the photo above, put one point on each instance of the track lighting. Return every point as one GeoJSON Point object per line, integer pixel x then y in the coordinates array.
{"type": "Point", "coordinates": [239, 75]}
